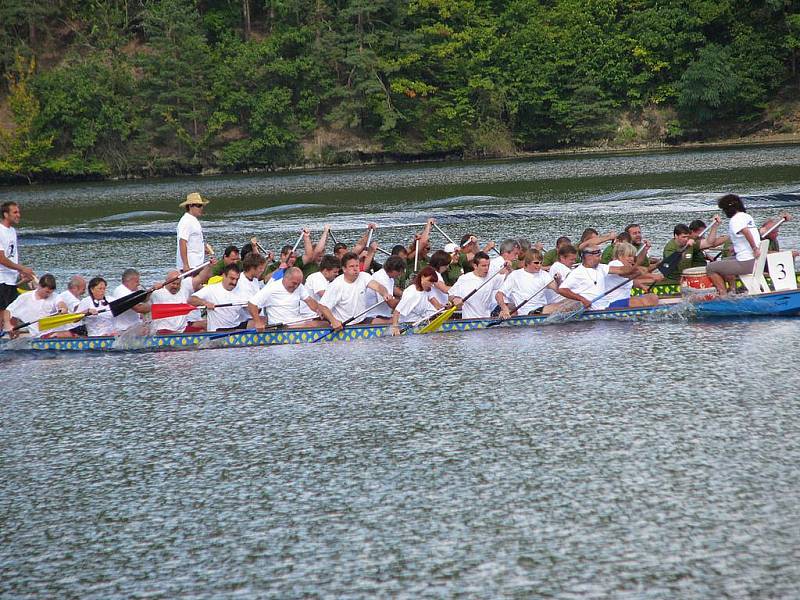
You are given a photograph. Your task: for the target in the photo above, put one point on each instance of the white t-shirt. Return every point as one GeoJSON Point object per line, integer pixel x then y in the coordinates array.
{"type": "Point", "coordinates": [415, 305]}
{"type": "Point", "coordinates": [736, 226]}
{"type": "Point", "coordinates": [436, 293]}
{"type": "Point", "coordinates": [315, 285]}
{"type": "Point", "coordinates": [28, 307]}
{"type": "Point", "coordinates": [130, 318]}
{"type": "Point", "coordinates": [561, 270]}
{"type": "Point", "coordinates": [100, 324]}
{"type": "Point", "coordinates": [226, 317]}
{"type": "Point", "coordinates": [624, 291]}
{"type": "Point", "coordinates": [247, 289]}
{"type": "Point", "coordinates": [164, 296]}
{"type": "Point", "coordinates": [520, 285]}
{"type": "Point", "coordinates": [8, 244]}
{"type": "Point", "coordinates": [70, 301]}
{"type": "Point", "coordinates": [346, 300]}
{"type": "Point", "coordinates": [282, 307]}
{"type": "Point", "coordinates": [371, 296]}
{"type": "Point", "coordinates": [189, 229]}
{"type": "Point", "coordinates": [589, 283]}
{"type": "Point", "coordinates": [481, 304]}
{"type": "Point", "coordinates": [496, 264]}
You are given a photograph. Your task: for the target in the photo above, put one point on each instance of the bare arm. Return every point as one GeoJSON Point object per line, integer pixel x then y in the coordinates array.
{"type": "Point", "coordinates": [26, 272]}
{"type": "Point", "coordinates": [203, 276]}
{"type": "Point", "coordinates": [183, 246]}
{"type": "Point", "coordinates": [359, 246]}
{"type": "Point", "coordinates": [753, 243]}
{"type": "Point", "coordinates": [597, 240]}
{"type": "Point", "coordinates": [319, 249]}
{"type": "Point", "coordinates": [570, 295]}
{"type": "Point", "coordinates": [328, 315]}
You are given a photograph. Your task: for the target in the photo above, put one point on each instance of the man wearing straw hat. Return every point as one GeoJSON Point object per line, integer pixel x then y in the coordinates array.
{"type": "Point", "coordinates": [191, 245]}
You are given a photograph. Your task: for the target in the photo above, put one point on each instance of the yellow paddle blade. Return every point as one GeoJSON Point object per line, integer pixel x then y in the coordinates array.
{"type": "Point", "coordinates": [214, 279]}
{"type": "Point", "coordinates": [437, 322]}
{"type": "Point", "coordinates": [21, 291]}
{"type": "Point", "coordinates": [59, 320]}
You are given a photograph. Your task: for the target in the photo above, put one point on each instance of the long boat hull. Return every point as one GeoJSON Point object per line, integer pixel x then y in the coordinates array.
{"type": "Point", "coordinates": [774, 304]}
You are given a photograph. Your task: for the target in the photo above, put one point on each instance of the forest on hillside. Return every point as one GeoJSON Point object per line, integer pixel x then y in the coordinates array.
{"type": "Point", "coordinates": [143, 87]}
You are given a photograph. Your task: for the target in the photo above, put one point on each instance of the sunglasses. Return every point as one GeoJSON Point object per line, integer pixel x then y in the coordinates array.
{"type": "Point", "coordinates": [593, 252]}
{"type": "Point", "coordinates": [536, 262]}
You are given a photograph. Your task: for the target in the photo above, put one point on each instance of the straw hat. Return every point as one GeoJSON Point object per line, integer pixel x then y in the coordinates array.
{"type": "Point", "coordinates": [194, 198]}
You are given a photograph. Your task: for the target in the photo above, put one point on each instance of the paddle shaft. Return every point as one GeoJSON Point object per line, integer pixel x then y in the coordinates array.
{"type": "Point", "coordinates": [348, 321]}
{"type": "Point", "coordinates": [440, 312]}
{"type": "Point", "coordinates": [297, 243]}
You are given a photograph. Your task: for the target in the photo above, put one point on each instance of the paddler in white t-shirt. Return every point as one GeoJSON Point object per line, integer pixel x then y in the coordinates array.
{"type": "Point", "coordinates": [283, 299]}
{"type": "Point", "coordinates": [32, 306]}
{"type": "Point", "coordinates": [345, 297]}
{"type": "Point", "coordinates": [509, 252]}
{"type": "Point", "coordinates": [178, 292]}
{"type": "Point", "coordinates": [191, 251]}
{"type": "Point", "coordinates": [131, 281]}
{"type": "Point", "coordinates": [526, 285]}
{"type": "Point", "coordinates": [221, 318]}
{"type": "Point", "coordinates": [482, 303]}
{"type": "Point", "coordinates": [587, 282]}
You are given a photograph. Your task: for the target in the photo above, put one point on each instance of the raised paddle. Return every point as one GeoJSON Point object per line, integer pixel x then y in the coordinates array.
{"type": "Point", "coordinates": [297, 243]}
{"type": "Point", "coordinates": [348, 321]}
{"type": "Point", "coordinates": [166, 310]}
{"type": "Point", "coordinates": [120, 305]}
{"type": "Point", "coordinates": [446, 313]}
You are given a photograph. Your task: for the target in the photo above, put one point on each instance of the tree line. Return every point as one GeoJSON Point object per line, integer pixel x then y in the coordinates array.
{"type": "Point", "coordinates": [116, 87]}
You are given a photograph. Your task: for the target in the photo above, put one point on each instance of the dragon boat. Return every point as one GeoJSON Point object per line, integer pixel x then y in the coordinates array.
{"type": "Point", "coordinates": [771, 304]}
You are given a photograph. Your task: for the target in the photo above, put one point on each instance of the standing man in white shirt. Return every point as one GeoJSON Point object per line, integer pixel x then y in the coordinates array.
{"type": "Point", "coordinates": [10, 266]}
{"type": "Point", "coordinates": [191, 244]}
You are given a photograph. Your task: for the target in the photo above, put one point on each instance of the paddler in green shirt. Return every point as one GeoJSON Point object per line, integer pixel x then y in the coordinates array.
{"type": "Point", "coordinates": [230, 256]}
{"type": "Point", "coordinates": [608, 253]}
{"type": "Point", "coordinates": [691, 248]}
{"type": "Point", "coordinates": [551, 256]}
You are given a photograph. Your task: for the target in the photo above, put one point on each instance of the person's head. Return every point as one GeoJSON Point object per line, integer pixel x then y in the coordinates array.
{"type": "Point", "coordinates": [394, 266]}
{"type": "Point", "coordinates": [731, 204]}
{"type": "Point", "coordinates": [194, 204]}
{"type": "Point", "coordinates": [567, 255]}
{"type": "Point", "coordinates": [468, 242]}
{"type": "Point", "coordinates": [681, 234]}
{"type": "Point", "coordinates": [230, 276]}
{"type": "Point", "coordinates": [697, 227]}
{"type": "Point", "coordinates": [563, 241]}
{"type": "Point", "coordinates": [635, 231]}
{"type": "Point", "coordinates": [254, 264]}
{"type": "Point", "coordinates": [588, 234]}
{"type": "Point", "coordinates": [532, 261]}
{"type": "Point", "coordinates": [509, 249]}
{"type": "Point", "coordinates": [10, 213]}
{"type": "Point", "coordinates": [231, 255]}
{"type": "Point", "coordinates": [131, 279]}
{"type": "Point", "coordinates": [400, 250]}
{"type": "Point", "coordinates": [97, 288]}
{"type": "Point", "coordinates": [524, 245]}
{"type": "Point", "coordinates": [440, 260]}
{"type": "Point", "coordinates": [288, 256]}
{"type": "Point", "coordinates": [292, 279]}
{"type": "Point", "coordinates": [625, 253]}
{"type": "Point", "coordinates": [480, 264]}
{"type": "Point", "coordinates": [173, 287]}
{"type": "Point", "coordinates": [47, 285]}
{"type": "Point", "coordinates": [623, 236]}
{"type": "Point", "coordinates": [246, 249]}
{"type": "Point", "coordinates": [350, 266]}
{"type": "Point", "coordinates": [329, 267]}
{"type": "Point", "coordinates": [76, 285]}
{"type": "Point", "coordinates": [339, 250]}
{"type": "Point", "coordinates": [425, 279]}
{"type": "Point", "coordinates": [591, 256]}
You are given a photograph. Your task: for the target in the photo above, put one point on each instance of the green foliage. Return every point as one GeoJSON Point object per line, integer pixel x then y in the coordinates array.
{"type": "Point", "coordinates": [163, 86]}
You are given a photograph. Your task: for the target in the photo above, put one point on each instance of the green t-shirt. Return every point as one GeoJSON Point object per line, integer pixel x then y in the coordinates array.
{"type": "Point", "coordinates": [691, 257]}
{"type": "Point", "coordinates": [219, 266]}
{"type": "Point", "coordinates": [452, 274]}
{"type": "Point", "coordinates": [608, 254]}
{"type": "Point", "coordinates": [465, 264]}
{"type": "Point", "coordinates": [550, 257]}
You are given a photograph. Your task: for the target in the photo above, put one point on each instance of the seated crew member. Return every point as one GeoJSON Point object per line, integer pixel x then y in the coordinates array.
{"type": "Point", "coordinates": [67, 302]}
{"type": "Point", "coordinates": [99, 320]}
{"type": "Point", "coordinates": [642, 245]}
{"type": "Point", "coordinates": [527, 285]}
{"type": "Point", "coordinates": [178, 292]}
{"type": "Point", "coordinates": [283, 299]}
{"type": "Point", "coordinates": [509, 252]}
{"type": "Point", "coordinates": [222, 318]}
{"type": "Point", "coordinates": [382, 314]}
{"type": "Point", "coordinates": [340, 249]}
{"type": "Point", "coordinates": [416, 303]}
{"type": "Point", "coordinates": [249, 283]}
{"type": "Point", "coordinates": [551, 256]}
{"type": "Point", "coordinates": [344, 298]}
{"type": "Point", "coordinates": [586, 283]}
{"type": "Point", "coordinates": [691, 248]}
{"type": "Point", "coordinates": [32, 306]}
{"type": "Point", "coordinates": [442, 263]}
{"type": "Point", "coordinates": [312, 253]}
{"type": "Point", "coordinates": [132, 318]}
{"type": "Point", "coordinates": [625, 257]}
{"type": "Point", "coordinates": [745, 239]}
{"type": "Point", "coordinates": [481, 304]}
{"type": "Point", "coordinates": [230, 256]}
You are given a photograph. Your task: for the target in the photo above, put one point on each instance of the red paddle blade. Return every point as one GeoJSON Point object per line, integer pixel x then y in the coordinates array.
{"type": "Point", "coordinates": [165, 311]}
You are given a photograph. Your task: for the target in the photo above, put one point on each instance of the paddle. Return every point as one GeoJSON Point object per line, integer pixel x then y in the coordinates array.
{"type": "Point", "coordinates": [665, 266]}
{"type": "Point", "coordinates": [446, 313]}
{"type": "Point", "coordinates": [120, 305]}
{"type": "Point", "coordinates": [297, 243]}
{"type": "Point", "coordinates": [50, 322]}
{"type": "Point", "coordinates": [516, 308]}
{"type": "Point", "coordinates": [347, 322]}
{"type": "Point", "coordinates": [166, 310]}
{"type": "Point", "coordinates": [248, 331]}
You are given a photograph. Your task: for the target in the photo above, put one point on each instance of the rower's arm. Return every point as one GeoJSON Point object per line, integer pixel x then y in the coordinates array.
{"type": "Point", "coordinates": [597, 240]}
{"type": "Point", "coordinates": [202, 277]}
{"type": "Point", "coordinates": [379, 289]}
{"type": "Point", "coordinates": [328, 316]}
{"type": "Point", "coordinates": [319, 249]}
{"type": "Point", "coordinates": [313, 305]}
{"type": "Point", "coordinates": [199, 302]}
{"type": "Point", "coordinates": [752, 241]}
{"type": "Point", "coordinates": [501, 301]}
{"type": "Point", "coordinates": [258, 320]}
{"type": "Point", "coordinates": [570, 295]}
{"type": "Point", "coordinates": [624, 271]}
{"type": "Point", "coordinates": [710, 240]}
{"type": "Point", "coordinates": [370, 255]}
{"type": "Point", "coordinates": [359, 246]}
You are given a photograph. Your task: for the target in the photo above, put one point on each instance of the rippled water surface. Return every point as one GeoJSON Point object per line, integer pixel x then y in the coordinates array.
{"type": "Point", "coordinates": [625, 460]}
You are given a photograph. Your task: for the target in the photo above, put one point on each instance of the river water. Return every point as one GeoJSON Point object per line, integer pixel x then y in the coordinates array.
{"type": "Point", "coordinates": [625, 460]}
